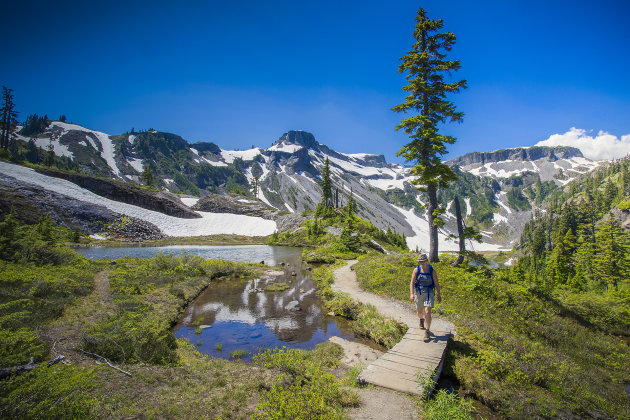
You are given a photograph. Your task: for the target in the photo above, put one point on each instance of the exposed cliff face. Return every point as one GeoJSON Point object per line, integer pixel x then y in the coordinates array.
{"type": "Point", "coordinates": [520, 153]}
{"type": "Point", "coordinates": [31, 203]}
{"type": "Point", "coordinates": [162, 202]}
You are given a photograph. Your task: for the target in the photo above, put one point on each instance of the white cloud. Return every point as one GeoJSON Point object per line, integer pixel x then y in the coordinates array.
{"type": "Point", "coordinates": [603, 146]}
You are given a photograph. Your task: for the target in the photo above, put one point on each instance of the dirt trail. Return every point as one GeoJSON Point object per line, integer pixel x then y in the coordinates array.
{"type": "Point", "coordinates": [346, 281]}
{"type": "Point", "coordinates": [379, 403]}
{"type": "Point", "coordinates": [64, 333]}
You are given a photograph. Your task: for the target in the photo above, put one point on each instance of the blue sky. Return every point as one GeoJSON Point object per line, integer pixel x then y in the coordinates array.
{"type": "Point", "coordinates": [243, 73]}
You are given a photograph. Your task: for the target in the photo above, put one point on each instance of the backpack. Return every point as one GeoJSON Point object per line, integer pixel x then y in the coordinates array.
{"type": "Point", "coordinates": [424, 281]}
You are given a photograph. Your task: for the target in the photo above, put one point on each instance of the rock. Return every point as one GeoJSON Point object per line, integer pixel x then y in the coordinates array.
{"type": "Point", "coordinates": [293, 306]}
{"type": "Point", "coordinates": [331, 313]}
{"type": "Point", "coordinates": [293, 273]}
{"type": "Point", "coordinates": [134, 230]}
{"type": "Point", "coordinates": [355, 353]}
{"type": "Point", "coordinates": [162, 202]}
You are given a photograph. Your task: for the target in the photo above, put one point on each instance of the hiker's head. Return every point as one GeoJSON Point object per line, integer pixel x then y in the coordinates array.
{"type": "Point", "coordinates": [422, 259]}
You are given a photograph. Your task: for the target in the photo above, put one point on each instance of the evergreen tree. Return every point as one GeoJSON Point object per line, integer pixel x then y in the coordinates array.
{"type": "Point", "coordinates": [256, 174]}
{"type": "Point", "coordinates": [326, 185]}
{"type": "Point", "coordinates": [147, 175]}
{"type": "Point", "coordinates": [49, 159]}
{"type": "Point", "coordinates": [584, 266]}
{"type": "Point", "coordinates": [9, 117]}
{"type": "Point", "coordinates": [426, 65]}
{"type": "Point", "coordinates": [611, 261]}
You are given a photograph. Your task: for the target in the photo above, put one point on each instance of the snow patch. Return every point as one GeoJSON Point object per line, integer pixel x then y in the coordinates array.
{"type": "Point", "coordinates": [189, 201]}
{"type": "Point", "coordinates": [420, 240]}
{"type": "Point", "coordinates": [208, 224]}
{"type": "Point", "coordinates": [108, 151]}
{"type": "Point", "coordinates": [230, 155]}
{"type": "Point", "coordinates": [136, 164]}
{"type": "Point", "coordinates": [58, 148]}
{"type": "Point", "coordinates": [286, 148]}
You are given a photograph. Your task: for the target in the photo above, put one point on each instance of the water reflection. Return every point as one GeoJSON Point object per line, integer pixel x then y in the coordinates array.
{"type": "Point", "coordinates": [271, 255]}
{"type": "Point", "coordinates": [234, 314]}
{"type": "Point", "coordinates": [237, 314]}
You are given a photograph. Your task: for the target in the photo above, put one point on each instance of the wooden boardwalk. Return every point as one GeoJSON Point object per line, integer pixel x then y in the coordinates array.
{"type": "Point", "coordinates": [407, 365]}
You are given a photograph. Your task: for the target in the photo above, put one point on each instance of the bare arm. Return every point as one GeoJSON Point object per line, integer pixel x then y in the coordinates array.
{"type": "Point", "coordinates": [438, 295]}
{"type": "Point", "coordinates": [413, 277]}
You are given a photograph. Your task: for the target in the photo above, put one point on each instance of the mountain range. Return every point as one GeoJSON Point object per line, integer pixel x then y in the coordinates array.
{"type": "Point", "coordinates": [497, 190]}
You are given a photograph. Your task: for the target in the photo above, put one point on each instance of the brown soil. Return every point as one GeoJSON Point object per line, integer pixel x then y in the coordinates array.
{"type": "Point", "coordinates": [65, 333]}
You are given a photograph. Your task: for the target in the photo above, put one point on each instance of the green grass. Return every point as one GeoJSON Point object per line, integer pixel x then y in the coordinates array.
{"type": "Point", "coordinates": [366, 320]}
{"type": "Point", "coordinates": [519, 351]}
{"type": "Point", "coordinates": [277, 287]}
{"type": "Point", "coordinates": [149, 295]}
{"type": "Point", "coordinates": [238, 354]}
{"type": "Point", "coordinates": [304, 388]}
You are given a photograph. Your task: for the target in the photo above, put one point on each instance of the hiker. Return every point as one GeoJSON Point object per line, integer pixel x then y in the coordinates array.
{"type": "Point", "coordinates": [422, 289]}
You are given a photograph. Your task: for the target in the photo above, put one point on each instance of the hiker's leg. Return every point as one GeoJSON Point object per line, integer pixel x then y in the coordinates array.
{"type": "Point", "coordinates": [421, 312]}
{"type": "Point", "coordinates": [427, 317]}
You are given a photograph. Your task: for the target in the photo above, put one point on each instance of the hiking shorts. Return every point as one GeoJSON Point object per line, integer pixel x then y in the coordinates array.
{"type": "Point", "coordinates": [427, 298]}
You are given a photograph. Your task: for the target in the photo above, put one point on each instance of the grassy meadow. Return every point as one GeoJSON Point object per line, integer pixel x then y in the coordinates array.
{"type": "Point", "coordinates": [523, 353]}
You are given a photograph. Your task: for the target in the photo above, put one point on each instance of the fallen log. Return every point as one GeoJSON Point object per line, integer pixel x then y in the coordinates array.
{"type": "Point", "coordinates": [18, 370]}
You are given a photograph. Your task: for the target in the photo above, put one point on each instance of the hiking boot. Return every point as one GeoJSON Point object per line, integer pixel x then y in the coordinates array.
{"type": "Point", "coordinates": [427, 336]}
{"type": "Point", "coordinates": [422, 323]}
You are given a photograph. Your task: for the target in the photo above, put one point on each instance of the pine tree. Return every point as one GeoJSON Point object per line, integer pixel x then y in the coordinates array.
{"type": "Point", "coordinates": [426, 66]}
{"type": "Point", "coordinates": [611, 261]}
{"type": "Point", "coordinates": [147, 175]}
{"type": "Point", "coordinates": [9, 117]}
{"type": "Point", "coordinates": [326, 185]}
{"type": "Point", "coordinates": [256, 174]}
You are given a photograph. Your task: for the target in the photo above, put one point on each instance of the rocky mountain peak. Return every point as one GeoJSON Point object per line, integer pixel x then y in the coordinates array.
{"type": "Point", "coordinates": [517, 154]}
{"type": "Point", "coordinates": [298, 138]}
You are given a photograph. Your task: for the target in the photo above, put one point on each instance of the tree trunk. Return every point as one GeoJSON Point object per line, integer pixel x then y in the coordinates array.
{"type": "Point", "coordinates": [460, 233]}
{"type": "Point", "coordinates": [433, 229]}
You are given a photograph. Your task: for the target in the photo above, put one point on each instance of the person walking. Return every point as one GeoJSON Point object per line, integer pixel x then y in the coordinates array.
{"type": "Point", "coordinates": [424, 288]}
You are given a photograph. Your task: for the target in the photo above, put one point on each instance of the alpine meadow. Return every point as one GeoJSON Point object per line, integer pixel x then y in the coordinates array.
{"type": "Point", "coordinates": [229, 214]}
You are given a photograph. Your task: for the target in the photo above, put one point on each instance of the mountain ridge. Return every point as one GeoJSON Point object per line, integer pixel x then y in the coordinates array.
{"type": "Point", "coordinates": [286, 176]}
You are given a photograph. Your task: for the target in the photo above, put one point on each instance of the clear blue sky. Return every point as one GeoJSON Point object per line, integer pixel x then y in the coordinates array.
{"type": "Point", "coordinates": [242, 73]}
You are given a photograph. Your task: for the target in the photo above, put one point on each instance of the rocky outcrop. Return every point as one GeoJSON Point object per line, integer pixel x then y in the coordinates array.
{"type": "Point", "coordinates": [131, 229]}
{"type": "Point", "coordinates": [162, 202]}
{"type": "Point", "coordinates": [235, 204]}
{"type": "Point", "coordinates": [518, 154]}
{"type": "Point", "coordinates": [31, 203]}
{"type": "Point", "coordinates": [238, 204]}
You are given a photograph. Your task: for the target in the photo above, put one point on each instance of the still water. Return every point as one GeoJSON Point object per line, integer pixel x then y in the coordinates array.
{"type": "Point", "coordinates": [234, 314]}
{"type": "Point", "coordinates": [271, 255]}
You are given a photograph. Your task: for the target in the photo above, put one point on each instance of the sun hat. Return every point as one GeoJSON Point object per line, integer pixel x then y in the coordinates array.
{"type": "Point", "coordinates": [423, 258]}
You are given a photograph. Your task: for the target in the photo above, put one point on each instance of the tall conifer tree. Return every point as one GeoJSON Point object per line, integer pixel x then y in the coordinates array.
{"type": "Point", "coordinates": [8, 117]}
{"type": "Point", "coordinates": [425, 66]}
{"type": "Point", "coordinates": [326, 184]}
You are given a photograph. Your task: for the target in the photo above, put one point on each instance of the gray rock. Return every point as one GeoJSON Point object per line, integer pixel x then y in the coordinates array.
{"type": "Point", "coordinates": [293, 306]}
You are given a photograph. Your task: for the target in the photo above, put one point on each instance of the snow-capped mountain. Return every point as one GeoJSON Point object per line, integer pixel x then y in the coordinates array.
{"type": "Point", "coordinates": [496, 189]}
{"type": "Point", "coordinates": [559, 164]}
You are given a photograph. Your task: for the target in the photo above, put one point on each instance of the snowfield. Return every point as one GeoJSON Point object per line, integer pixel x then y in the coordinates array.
{"type": "Point", "coordinates": [208, 224]}
{"type": "Point", "coordinates": [420, 226]}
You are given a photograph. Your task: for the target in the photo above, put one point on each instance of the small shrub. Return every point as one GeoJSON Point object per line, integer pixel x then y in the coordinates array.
{"type": "Point", "coordinates": [239, 354]}
{"type": "Point", "coordinates": [447, 406]}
